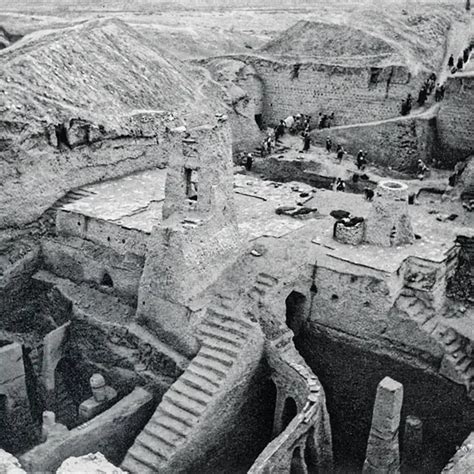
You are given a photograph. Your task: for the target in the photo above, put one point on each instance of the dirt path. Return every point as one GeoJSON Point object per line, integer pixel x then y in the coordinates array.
{"type": "Point", "coordinates": [458, 39]}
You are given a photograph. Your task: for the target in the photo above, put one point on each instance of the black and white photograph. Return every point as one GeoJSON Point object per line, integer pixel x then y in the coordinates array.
{"type": "Point", "coordinates": [236, 236]}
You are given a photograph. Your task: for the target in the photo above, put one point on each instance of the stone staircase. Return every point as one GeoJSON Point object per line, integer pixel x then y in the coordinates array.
{"type": "Point", "coordinates": [273, 329]}
{"type": "Point", "coordinates": [458, 364]}
{"type": "Point", "coordinates": [48, 219]}
{"type": "Point", "coordinates": [263, 283]}
{"type": "Point", "coordinates": [418, 309]}
{"type": "Point", "coordinates": [223, 337]}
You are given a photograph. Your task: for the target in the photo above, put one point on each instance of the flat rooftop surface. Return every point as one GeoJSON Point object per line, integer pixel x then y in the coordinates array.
{"type": "Point", "coordinates": [135, 202]}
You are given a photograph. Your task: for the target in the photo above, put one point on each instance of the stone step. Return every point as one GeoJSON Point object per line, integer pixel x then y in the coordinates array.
{"type": "Point", "coordinates": [169, 436]}
{"type": "Point", "coordinates": [220, 346]}
{"type": "Point", "coordinates": [175, 411]}
{"type": "Point", "coordinates": [469, 371]}
{"type": "Point", "coordinates": [151, 434]}
{"type": "Point", "coordinates": [226, 302]}
{"type": "Point", "coordinates": [228, 327]}
{"type": "Point", "coordinates": [449, 336]}
{"type": "Point", "coordinates": [156, 449]}
{"type": "Point", "coordinates": [462, 363]}
{"type": "Point", "coordinates": [218, 359]}
{"type": "Point", "coordinates": [453, 346]}
{"type": "Point", "coordinates": [259, 290]}
{"type": "Point", "coordinates": [228, 319]}
{"type": "Point", "coordinates": [266, 279]}
{"type": "Point", "coordinates": [161, 420]}
{"type": "Point", "coordinates": [209, 366]}
{"type": "Point", "coordinates": [184, 402]}
{"type": "Point", "coordinates": [216, 333]}
{"type": "Point", "coordinates": [190, 391]}
{"type": "Point", "coordinates": [203, 374]}
{"type": "Point", "coordinates": [138, 461]}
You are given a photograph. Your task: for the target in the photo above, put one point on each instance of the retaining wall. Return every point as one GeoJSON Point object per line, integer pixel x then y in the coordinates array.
{"type": "Point", "coordinates": [456, 121]}
{"type": "Point", "coordinates": [398, 144]}
{"type": "Point", "coordinates": [354, 94]}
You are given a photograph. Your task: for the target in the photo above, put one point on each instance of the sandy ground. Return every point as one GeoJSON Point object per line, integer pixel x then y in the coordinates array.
{"type": "Point", "coordinates": [195, 33]}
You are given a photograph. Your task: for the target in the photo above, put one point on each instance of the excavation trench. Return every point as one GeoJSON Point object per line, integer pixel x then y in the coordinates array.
{"type": "Point", "coordinates": [350, 376]}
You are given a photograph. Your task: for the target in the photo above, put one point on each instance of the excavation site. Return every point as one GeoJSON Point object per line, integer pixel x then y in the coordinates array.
{"type": "Point", "coordinates": [236, 237]}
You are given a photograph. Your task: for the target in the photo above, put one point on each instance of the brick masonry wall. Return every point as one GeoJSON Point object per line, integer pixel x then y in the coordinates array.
{"type": "Point", "coordinates": [456, 121]}
{"type": "Point", "coordinates": [399, 144]}
{"type": "Point", "coordinates": [346, 91]}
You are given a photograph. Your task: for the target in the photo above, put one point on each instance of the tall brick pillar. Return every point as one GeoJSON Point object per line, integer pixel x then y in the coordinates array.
{"type": "Point", "coordinates": [388, 223]}
{"type": "Point", "coordinates": [383, 452]}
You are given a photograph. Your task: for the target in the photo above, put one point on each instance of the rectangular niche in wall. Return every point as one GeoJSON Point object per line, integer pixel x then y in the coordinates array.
{"type": "Point", "coordinates": [191, 177]}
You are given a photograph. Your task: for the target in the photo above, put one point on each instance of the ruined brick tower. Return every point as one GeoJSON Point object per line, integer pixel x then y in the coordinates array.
{"type": "Point", "coordinates": [198, 235]}
{"type": "Point", "coordinates": [388, 223]}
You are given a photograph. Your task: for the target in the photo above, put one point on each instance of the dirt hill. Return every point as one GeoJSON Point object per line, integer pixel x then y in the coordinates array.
{"type": "Point", "coordinates": [86, 103]}
{"type": "Point", "coordinates": [416, 38]}
{"type": "Point", "coordinates": [318, 39]}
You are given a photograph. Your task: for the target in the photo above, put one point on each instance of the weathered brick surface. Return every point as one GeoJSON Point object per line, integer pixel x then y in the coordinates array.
{"type": "Point", "coordinates": [398, 144]}
{"type": "Point", "coordinates": [456, 120]}
{"type": "Point", "coordinates": [346, 91]}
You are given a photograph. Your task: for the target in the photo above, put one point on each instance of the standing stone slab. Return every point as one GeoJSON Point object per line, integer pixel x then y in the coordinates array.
{"type": "Point", "coordinates": [53, 351]}
{"type": "Point", "coordinates": [16, 426]}
{"type": "Point", "coordinates": [383, 452]}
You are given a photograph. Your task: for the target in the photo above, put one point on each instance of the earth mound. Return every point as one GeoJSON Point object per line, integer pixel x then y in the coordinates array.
{"type": "Point", "coordinates": [318, 39]}
{"type": "Point", "coordinates": [7, 38]}
{"type": "Point", "coordinates": [74, 103]}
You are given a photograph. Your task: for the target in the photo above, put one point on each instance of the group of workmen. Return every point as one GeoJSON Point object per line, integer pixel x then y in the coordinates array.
{"type": "Point", "coordinates": [426, 90]}
{"type": "Point", "coordinates": [466, 54]}
{"type": "Point", "coordinates": [429, 85]}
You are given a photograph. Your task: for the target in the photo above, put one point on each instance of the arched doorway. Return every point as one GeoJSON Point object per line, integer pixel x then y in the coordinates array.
{"type": "Point", "coordinates": [296, 311]}
{"type": "Point", "coordinates": [310, 452]}
{"type": "Point", "coordinates": [290, 410]}
{"type": "Point", "coordinates": [298, 465]}
{"type": "Point", "coordinates": [107, 280]}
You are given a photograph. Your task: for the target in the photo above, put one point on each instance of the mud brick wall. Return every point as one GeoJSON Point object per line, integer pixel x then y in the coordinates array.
{"type": "Point", "coordinates": [354, 94]}
{"type": "Point", "coordinates": [398, 144]}
{"type": "Point", "coordinates": [456, 121]}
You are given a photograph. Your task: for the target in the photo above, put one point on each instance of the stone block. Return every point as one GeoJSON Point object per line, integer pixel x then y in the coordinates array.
{"type": "Point", "coordinates": [383, 454]}
{"type": "Point", "coordinates": [53, 348]}
{"type": "Point", "coordinates": [389, 223]}
{"type": "Point", "coordinates": [99, 434]}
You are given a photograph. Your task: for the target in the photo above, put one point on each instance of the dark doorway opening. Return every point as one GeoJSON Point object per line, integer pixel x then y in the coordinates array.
{"type": "Point", "coordinates": [259, 121]}
{"type": "Point", "coordinates": [4, 428]}
{"type": "Point", "coordinates": [298, 465]}
{"type": "Point", "coordinates": [310, 453]}
{"type": "Point", "coordinates": [296, 311]}
{"type": "Point", "coordinates": [107, 280]}
{"type": "Point", "coordinates": [191, 181]}
{"type": "Point", "coordinates": [65, 406]}
{"type": "Point", "coordinates": [290, 410]}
